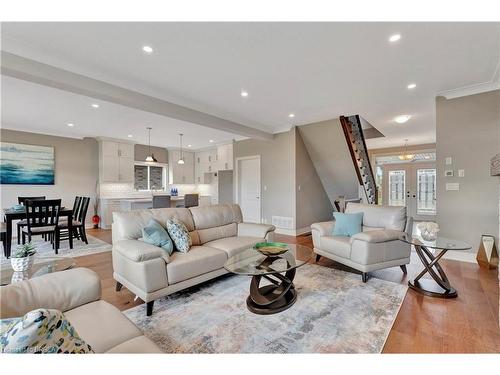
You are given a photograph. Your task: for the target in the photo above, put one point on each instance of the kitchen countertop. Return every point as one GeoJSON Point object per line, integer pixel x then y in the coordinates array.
{"type": "Point", "coordinates": [147, 200]}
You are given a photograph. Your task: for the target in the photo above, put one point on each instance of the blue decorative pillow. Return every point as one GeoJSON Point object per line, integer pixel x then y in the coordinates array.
{"type": "Point", "coordinates": [155, 234]}
{"type": "Point", "coordinates": [347, 224]}
{"type": "Point", "coordinates": [41, 331]}
{"type": "Point", "coordinates": [179, 234]}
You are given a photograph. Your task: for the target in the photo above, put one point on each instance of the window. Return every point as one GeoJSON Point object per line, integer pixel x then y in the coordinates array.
{"type": "Point", "coordinates": [426, 191]}
{"type": "Point", "coordinates": [397, 188]}
{"type": "Point", "coordinates": [150, 176]}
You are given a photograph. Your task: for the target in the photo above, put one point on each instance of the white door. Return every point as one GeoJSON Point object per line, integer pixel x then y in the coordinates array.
{"type": "Point", "coordinates": [413, 186]}
{"type": "Point", "coordinates": [248, 181]}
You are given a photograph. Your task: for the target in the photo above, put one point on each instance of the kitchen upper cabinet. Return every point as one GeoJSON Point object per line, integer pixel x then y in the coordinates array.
{"type": "Point", "coordinates": [225, 157]}
{"type": "Point", "coordinates": [116, 162]}
{"type": "Point", "coordinates": [181, 173]}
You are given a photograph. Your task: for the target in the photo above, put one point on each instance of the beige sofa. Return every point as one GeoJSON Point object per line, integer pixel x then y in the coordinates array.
{"type": "Point", "coordinates": [77, 293]}
{"type": "Point", "coordinates": [217, 233]}
{"type": "Point", "coordinates": [376, 247]}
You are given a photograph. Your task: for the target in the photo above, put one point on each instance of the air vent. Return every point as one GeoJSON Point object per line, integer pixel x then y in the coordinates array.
{"type": "Point", "coordinates": [282, 222]}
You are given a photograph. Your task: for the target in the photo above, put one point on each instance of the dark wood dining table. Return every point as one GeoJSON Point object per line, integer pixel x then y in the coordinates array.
{"type": "Point", "coordinates": [10, 215]}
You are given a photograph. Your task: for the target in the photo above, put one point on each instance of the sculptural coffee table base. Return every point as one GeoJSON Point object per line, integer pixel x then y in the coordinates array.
{"type": "Point", "coordinates": [273, 298]}
{"type": "Point", "coordinates": [439, 285]}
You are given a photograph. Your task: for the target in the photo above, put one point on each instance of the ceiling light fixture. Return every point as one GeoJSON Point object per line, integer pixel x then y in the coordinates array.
{"type": "Point", "coordinates": [291, 115]}
{"type": "Point", "coordinates": [394, 38]}
{"type": "Point", "coordinates": [411, 86]}
{"type": "Point", "coordinates": [71, 125]}
{"type": "Point", "coordinates": [181, 159]}
{"type": "Point", "coordinates": [244, 94]}
{"type": "Point", "coordinates": [211, 141]}
{"type": "Point", "coordinates": [150, 158]}
{"type": "Point", "coordinates": [405, 155]}
{"type": "Point", "coordinates": [95, 105]}
{"type": "Point", "coordinates": [147, 49]}
{"type": "Point", "coordinates": [402, 119]}
{"type": "Point", "coordinates": [189, 146]}
{"type": "Point", "coordinates": [130, 135]}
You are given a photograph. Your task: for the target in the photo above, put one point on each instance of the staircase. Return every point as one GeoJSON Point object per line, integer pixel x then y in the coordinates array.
{"type": "Point", "coordinates": [353, 131]}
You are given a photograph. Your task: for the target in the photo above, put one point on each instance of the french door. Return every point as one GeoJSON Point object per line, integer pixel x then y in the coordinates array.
{"type": "Point", "coordinates": [413, 186]}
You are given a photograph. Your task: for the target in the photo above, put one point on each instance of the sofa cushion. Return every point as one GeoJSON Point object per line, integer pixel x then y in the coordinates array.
{"type": "Point", "coordinates": [179, 234]}
{"type": "Point", "coordinates": [347, 224]}
{"type": "Point", "coordinates": [197, 261]}
{"type": "Point", "coordinates": [337, 245]}
{"type": "Point", "coordinates": [137, 345]}
{"type": "Point", "coordinates": [215, 216]}
{"type": "Point", "coordinates": [211, 234]}
{"type": "Point", "coordinates": [233, 245]}
{"type": "Point", "coordinates": [387, 217]}
{"type": "Point", "coordinates": [102, 325]}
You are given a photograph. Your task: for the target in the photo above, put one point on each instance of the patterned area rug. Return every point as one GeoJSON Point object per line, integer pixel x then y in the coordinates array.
{"type": "Point", "coordinates": [44, 248]}
{"type": "Point", "coordinates": [335, 312]}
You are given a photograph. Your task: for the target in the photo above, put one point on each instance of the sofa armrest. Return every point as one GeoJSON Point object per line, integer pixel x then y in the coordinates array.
{"type": "Point", "coordinates": [377, 236]}
{"type": "Point", "coordinates": [63, 291]}
{"type": "Point", "coordinates": [255, 230]}
{"type": "Point", "coordinates": [324, 228]}
{"type": "Point", "coordinates": [140, 251]}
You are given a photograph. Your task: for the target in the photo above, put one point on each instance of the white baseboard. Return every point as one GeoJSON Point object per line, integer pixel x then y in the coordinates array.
{"type": "Point", "coordinates": [293, 232]}
{"type": "Point", "coordinates": [462, 256]}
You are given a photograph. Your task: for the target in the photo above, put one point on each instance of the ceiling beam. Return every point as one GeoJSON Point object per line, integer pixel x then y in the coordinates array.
{"type": "Point", "coordinates": [33, 71]}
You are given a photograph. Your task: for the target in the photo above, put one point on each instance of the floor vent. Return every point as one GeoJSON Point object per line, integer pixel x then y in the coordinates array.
{"type": "Point", "coordinates": [283, 222]}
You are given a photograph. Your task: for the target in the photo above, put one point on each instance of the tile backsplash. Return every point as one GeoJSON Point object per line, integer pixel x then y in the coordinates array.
{"type": "Point", "coordinates": [120, 190]}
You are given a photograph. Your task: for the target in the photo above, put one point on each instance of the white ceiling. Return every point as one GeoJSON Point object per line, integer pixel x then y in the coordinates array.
{"type": "Point", "coordinates": [316, 70]}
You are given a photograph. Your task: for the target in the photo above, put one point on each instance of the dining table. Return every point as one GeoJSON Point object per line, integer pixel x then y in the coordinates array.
{"type": "Point", "coordinates": [11, 214]}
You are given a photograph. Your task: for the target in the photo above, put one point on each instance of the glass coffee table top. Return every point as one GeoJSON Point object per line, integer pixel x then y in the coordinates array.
{"type": "Point", "coordinates": [251, 262]}
{"type": "Point", "coordinates": [442, 243]}
{"type": "Point", "coordinates": [42, 266]}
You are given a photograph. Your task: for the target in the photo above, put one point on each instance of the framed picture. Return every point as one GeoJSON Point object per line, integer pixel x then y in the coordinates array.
{"type": "Point", "coordinates": [26, 164]}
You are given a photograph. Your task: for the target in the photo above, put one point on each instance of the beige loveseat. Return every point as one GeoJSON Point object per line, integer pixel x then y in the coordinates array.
{"type": "Point", "coordinates": [376, 247]}
{"type": "Point", "coordinates": [217, 233]}
{"type": "Point", "coordinates": [77, 293]}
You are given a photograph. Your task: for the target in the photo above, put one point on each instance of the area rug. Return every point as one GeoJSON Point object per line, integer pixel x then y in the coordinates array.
{"type": "Point", "coordinates": [335, 312]}
{"type": "Point", "coordinates": [44, 248]}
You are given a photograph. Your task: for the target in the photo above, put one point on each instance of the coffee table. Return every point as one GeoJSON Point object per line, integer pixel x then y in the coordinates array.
{"type": "Point", "coordinates": [280, 294]}
{"type": "Point", "coordinates": [41, 266]}
{"type": "Point", "coordinates": [439, 285]}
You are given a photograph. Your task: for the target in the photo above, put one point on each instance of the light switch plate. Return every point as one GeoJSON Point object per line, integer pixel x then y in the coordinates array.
{"type": "Point", "coordinates": [448, 173]}
{"type": "Point", "coordinates": [452, 186]}
{"type": "Point", "coordinates": [461, 173]}
{"type": "Point", "coordinates": [449, 160]}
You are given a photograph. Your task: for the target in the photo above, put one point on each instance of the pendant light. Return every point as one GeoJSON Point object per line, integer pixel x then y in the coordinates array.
{"type": "Point", "coordinates": [150, 158]}
{"type": "Point", "coordinates": [181, 159]}
{"type": "Point", "coordinates": [405, 155]}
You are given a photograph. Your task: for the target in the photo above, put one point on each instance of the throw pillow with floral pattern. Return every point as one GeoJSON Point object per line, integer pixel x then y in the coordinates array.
{"type": "Point", "coordinates": [179, 234]}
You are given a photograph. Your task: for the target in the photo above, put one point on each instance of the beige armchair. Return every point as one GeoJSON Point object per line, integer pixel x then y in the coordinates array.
{"type": "Point", "coordinates": [376, 247]}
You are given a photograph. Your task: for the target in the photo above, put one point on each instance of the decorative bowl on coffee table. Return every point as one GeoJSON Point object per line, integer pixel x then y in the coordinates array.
{"type": "Point", "coordinates": [271, 248]}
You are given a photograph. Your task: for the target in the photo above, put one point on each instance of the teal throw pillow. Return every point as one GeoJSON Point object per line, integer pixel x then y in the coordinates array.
{"type": "Point", "coordinates": [347, 224]}
{"type": "Point", "coordinates": [155, 234]}
{"type": "Point", "coordinates": [179, 234]}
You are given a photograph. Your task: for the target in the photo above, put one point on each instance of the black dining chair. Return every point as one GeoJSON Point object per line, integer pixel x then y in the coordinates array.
{"type": "Point", "coordinates": [80, 209]}
{"type": "Point", "coordinates": [191, 200]}
{"type": "Point", "coordinates": [42, 218]}
{"type": "Point", "coordinates": [161, 201]}
{"type": "Point", "coordinates": [3, 238]}
{"type": "Point", "coordinates": [22, 223]}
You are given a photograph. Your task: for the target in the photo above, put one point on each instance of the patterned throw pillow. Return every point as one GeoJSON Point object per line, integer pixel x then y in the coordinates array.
{"type": "Point", "coordinates": [179, 234]}
{"type": "Point", "coordinates": [41, 331]}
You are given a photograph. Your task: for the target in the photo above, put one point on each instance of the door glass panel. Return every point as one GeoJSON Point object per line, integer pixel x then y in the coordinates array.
{"type": "Point", "coordinates": [397, 188]}
{"type": "Point", "coordinates": [426, 191]}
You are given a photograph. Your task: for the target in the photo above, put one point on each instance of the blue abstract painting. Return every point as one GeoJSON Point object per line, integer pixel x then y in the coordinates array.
{"type": "Point", "coordinates": [26, 164]}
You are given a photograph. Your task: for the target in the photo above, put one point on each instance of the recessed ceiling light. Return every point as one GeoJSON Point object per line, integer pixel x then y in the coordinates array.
{"type": "Point", "coordinates": [244, 94]}
{"type": "Point", "coordinates": [71, 124]}
{"type": "Point", "coordinates": [211, 141]}
{"type": "Point", "coordinates": [130, 135]}
{"type": "Point", "coordinates": [394, 38]}
{"type": "Point", "coordinates": [189, 146]}
{"type": "Point", "coordinates": [402, 119]}
{"type": "Point", "coordinates": [147, 49]}
{"type": "Point", "coordinates": [95, 105]}
{"type": "Point", "coordinates": [411, 86]}
{"type": "Point", "coordinates": [291, 115]}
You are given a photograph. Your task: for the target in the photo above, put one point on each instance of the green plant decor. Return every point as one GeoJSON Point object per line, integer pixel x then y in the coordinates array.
{"type": "Point", "coordinates": [23, 251]}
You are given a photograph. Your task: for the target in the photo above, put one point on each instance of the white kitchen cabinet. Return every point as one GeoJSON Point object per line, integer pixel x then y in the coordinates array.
{"type": "Point", "coordinates": [106, 209]}
{"type": "Point", "coordinates": [225, 157]}
{"type": "Point", "coordinates": [116, 162]}
{"type": "Point", "coordinates": [181, 173]}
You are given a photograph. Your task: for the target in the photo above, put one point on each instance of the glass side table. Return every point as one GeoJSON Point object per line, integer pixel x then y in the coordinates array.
{"type": "Point", "coordinates": [439, 285]}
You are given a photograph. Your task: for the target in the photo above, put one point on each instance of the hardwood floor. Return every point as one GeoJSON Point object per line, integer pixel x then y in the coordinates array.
{"type": "Point", "coordinates": [467, 324]}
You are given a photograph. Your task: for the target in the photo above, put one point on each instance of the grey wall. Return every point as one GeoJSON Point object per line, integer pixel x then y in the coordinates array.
{"type": "Point", "coordinates": [141, 151]}
{"type": "Point", "coordinates": [326, 144]}
{"type": "Point", "coordinates": [76, 168]}
{"type": "Point", "coordinates": [467, 129]}
{"type": "Point", "coordinates": [312, 203]}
